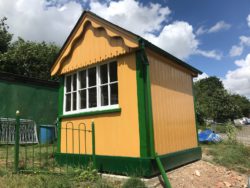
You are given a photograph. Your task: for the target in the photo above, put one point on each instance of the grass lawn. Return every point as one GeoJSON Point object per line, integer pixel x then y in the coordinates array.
{"type": "Point", "coordinates": [234, 156]}
{"type": "Point", "coordinates": [45, 172]}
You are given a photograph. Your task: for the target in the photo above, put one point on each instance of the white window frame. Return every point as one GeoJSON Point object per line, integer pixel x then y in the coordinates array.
{"type": "Point", "coordinates": [98, 91]}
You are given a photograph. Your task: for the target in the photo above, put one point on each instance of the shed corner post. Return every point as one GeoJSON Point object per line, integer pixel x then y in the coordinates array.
{"type": "Point", "coordinates": [147, 148]}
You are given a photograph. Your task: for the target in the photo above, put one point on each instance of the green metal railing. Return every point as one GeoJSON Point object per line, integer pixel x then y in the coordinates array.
{"type": "Point", "coordinates": [23, 151]}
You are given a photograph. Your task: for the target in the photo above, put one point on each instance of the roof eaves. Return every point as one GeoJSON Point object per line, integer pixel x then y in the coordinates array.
{"type": "Point", "coordinates": [10, 77]}
{"type": "Point", "coordinates": [168, 55]}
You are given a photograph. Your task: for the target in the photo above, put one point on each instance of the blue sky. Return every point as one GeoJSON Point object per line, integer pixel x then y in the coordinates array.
{"type": "Point", "coordinates": [211, 35]}
{"type": "Point", "coordinates": [206, 14]}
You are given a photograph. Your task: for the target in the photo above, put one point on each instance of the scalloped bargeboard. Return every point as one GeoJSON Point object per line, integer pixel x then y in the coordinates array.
{"type": "Point", "coordinates": [91, 42]}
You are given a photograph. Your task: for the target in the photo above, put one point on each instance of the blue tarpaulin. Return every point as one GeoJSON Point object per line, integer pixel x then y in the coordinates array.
{"type": "Point", "coordinates": [209, 136]}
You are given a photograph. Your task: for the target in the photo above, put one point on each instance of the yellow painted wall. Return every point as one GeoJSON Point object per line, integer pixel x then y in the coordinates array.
{"type": "Point", "coordinates": [173, 106]}
{"type": "Point", "coordinates": [117, 134]}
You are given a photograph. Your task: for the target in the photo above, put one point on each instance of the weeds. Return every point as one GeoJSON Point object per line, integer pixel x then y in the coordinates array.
{"type": "Point", "coordinates": [88, 174]}
{"type": "Point", "coordinates": [231, 132]}
{"type": "Point", "coordinates": [235, 155]}
{"type": "Point", "coordinates": [134, 182]}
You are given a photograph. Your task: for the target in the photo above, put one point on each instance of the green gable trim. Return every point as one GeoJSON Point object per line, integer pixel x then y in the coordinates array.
{"type": "Point", "coordinates": [92, 113]}
{"type": "Point", "coordinates": [144, 104]}
{"type": "Point", "coordinates": [132, 166]}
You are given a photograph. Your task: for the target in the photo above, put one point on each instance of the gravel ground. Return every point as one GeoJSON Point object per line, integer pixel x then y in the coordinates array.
{"type": "Point", "coordinates": [204, 174]}
{"type": "Point", "coordinates": [200, 174]}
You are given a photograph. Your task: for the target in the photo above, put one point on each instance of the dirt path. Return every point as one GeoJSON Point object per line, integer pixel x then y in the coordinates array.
{"type": "Point", "coordinates": [204, 174]}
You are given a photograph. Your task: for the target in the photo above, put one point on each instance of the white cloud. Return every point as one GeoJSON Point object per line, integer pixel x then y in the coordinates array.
{"type": "Point", "coordinates": [244, 40]}
{"type": "Point", "coordinates": [52, 21]}
{"type": "Point", "coordinates": [201, 30]}
{"type": "Point", "coordinates": [133, 15]}
{"type": "Point", "coordinates": [176, 38]}
{"type": "Point", "coordinates": [236, 50]}
{"type": "Point", "coordinates": [248, 20]}
{"type": "Point", "coordinates": [221, 25]}
{"type": "Point", "coordinates": [32, 20]}
{"type": "Point", "coordinates": [201, 76]}
{"type": "Point", "coordinates": [210, 54]}
{"type": "Point", "coordinates": [238, 80]}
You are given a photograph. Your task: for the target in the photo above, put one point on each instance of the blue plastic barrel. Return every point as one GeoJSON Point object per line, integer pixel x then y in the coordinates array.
{"type": "Point", "coordinates": [47, 134]}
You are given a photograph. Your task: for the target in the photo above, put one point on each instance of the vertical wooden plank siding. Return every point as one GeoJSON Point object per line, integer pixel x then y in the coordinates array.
{"type": "Point", "coordinates": [172, 105]}
{"type": "Point", "coordinates": [117, 134]}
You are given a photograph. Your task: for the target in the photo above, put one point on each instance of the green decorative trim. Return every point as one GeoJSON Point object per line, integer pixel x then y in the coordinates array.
{"type": "Point", "coordinates": [196, 127]}
{"type": "Point", "coordinates": [141, 107]}
{"type": "Point", "coordinates": [93, 113]}
{"type": "Point", "coordinates": [109, 164]}
{"type": "Point", "coordinates": [144, 104]}
{"type": "Point", "coordinates": [61, 95]}
{"type": "Point", "coordinates": [59, 124]}
{"type": "Point", "coordinates": [149, 116]}
{"type": "Point", "coordinates": [132, 166]}
{"type": "Point", "coordinates": [177, 159]}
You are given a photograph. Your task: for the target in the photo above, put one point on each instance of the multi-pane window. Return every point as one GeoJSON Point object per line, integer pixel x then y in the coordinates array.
{"type": "Point", "coordinates": [93, 88]}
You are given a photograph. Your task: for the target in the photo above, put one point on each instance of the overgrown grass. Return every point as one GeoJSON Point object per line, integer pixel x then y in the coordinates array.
{"type": "Point", "coordinates": [81, 178]}
{"type": "Point", "coordinates": [47, 173]}
{"type": "Point", "coordinates": [35, 181]}
{"type": "Point", "coordinates": [234, 156]}
{"type": "Point", "coordinates": [134, 182]}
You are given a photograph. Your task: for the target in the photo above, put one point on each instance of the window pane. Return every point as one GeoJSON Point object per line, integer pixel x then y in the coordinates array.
{"type": "Point", "coordinates": [74, 101]}
{"type": "Point", "coordinates": [104, 73]}
{"type": "Point", "coordinates": [104, 95]}
{"type": "Point", "coordinates": [74, 82]}
{"type": "Point", "coordinates": [114, 93]}
{"type": "Point", "coordinates": [83, 79]}
{"type": "Point", "coordinates": [92, 97]}
{"type": "Point", "coordinates": [83, 99]}
{"type": "Point", "coordinates": [113, 71]}
{"type": "Point", "coordinates": [68, 102]}
{"type": "Point", "coordinates": [92, 76]}
{"type": "Point", "coordinates": [68, 83]}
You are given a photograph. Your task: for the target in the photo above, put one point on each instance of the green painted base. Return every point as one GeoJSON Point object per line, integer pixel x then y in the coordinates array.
{"type": "Point", "coordinates": [143, 167]}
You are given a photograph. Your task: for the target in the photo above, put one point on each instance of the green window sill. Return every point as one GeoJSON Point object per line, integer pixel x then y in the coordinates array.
{"type": "Point", "coordinates": [92, 113]}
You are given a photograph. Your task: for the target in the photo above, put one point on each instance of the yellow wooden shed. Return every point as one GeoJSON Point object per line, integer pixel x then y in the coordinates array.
{"type": "Point", "coordinates": [139, 97]}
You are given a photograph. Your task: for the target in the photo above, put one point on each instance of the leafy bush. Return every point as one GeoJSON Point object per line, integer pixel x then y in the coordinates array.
{"type": "Point", "coordinates": [89, 174]}
{"type": "Point", "coordinates": [134, 182]}
{"type": "Point", "coordinates": [231, 132]}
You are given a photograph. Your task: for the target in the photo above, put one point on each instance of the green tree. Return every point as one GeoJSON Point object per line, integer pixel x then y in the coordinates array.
{"type": "Point", "coordinates": [213, 101]}
{"type": "Point", "coordinates": [5, 36]}
{"type": "Point", "coordinates": [243, 103]}
{"type": "Point", "coordinates": [29, 59]}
